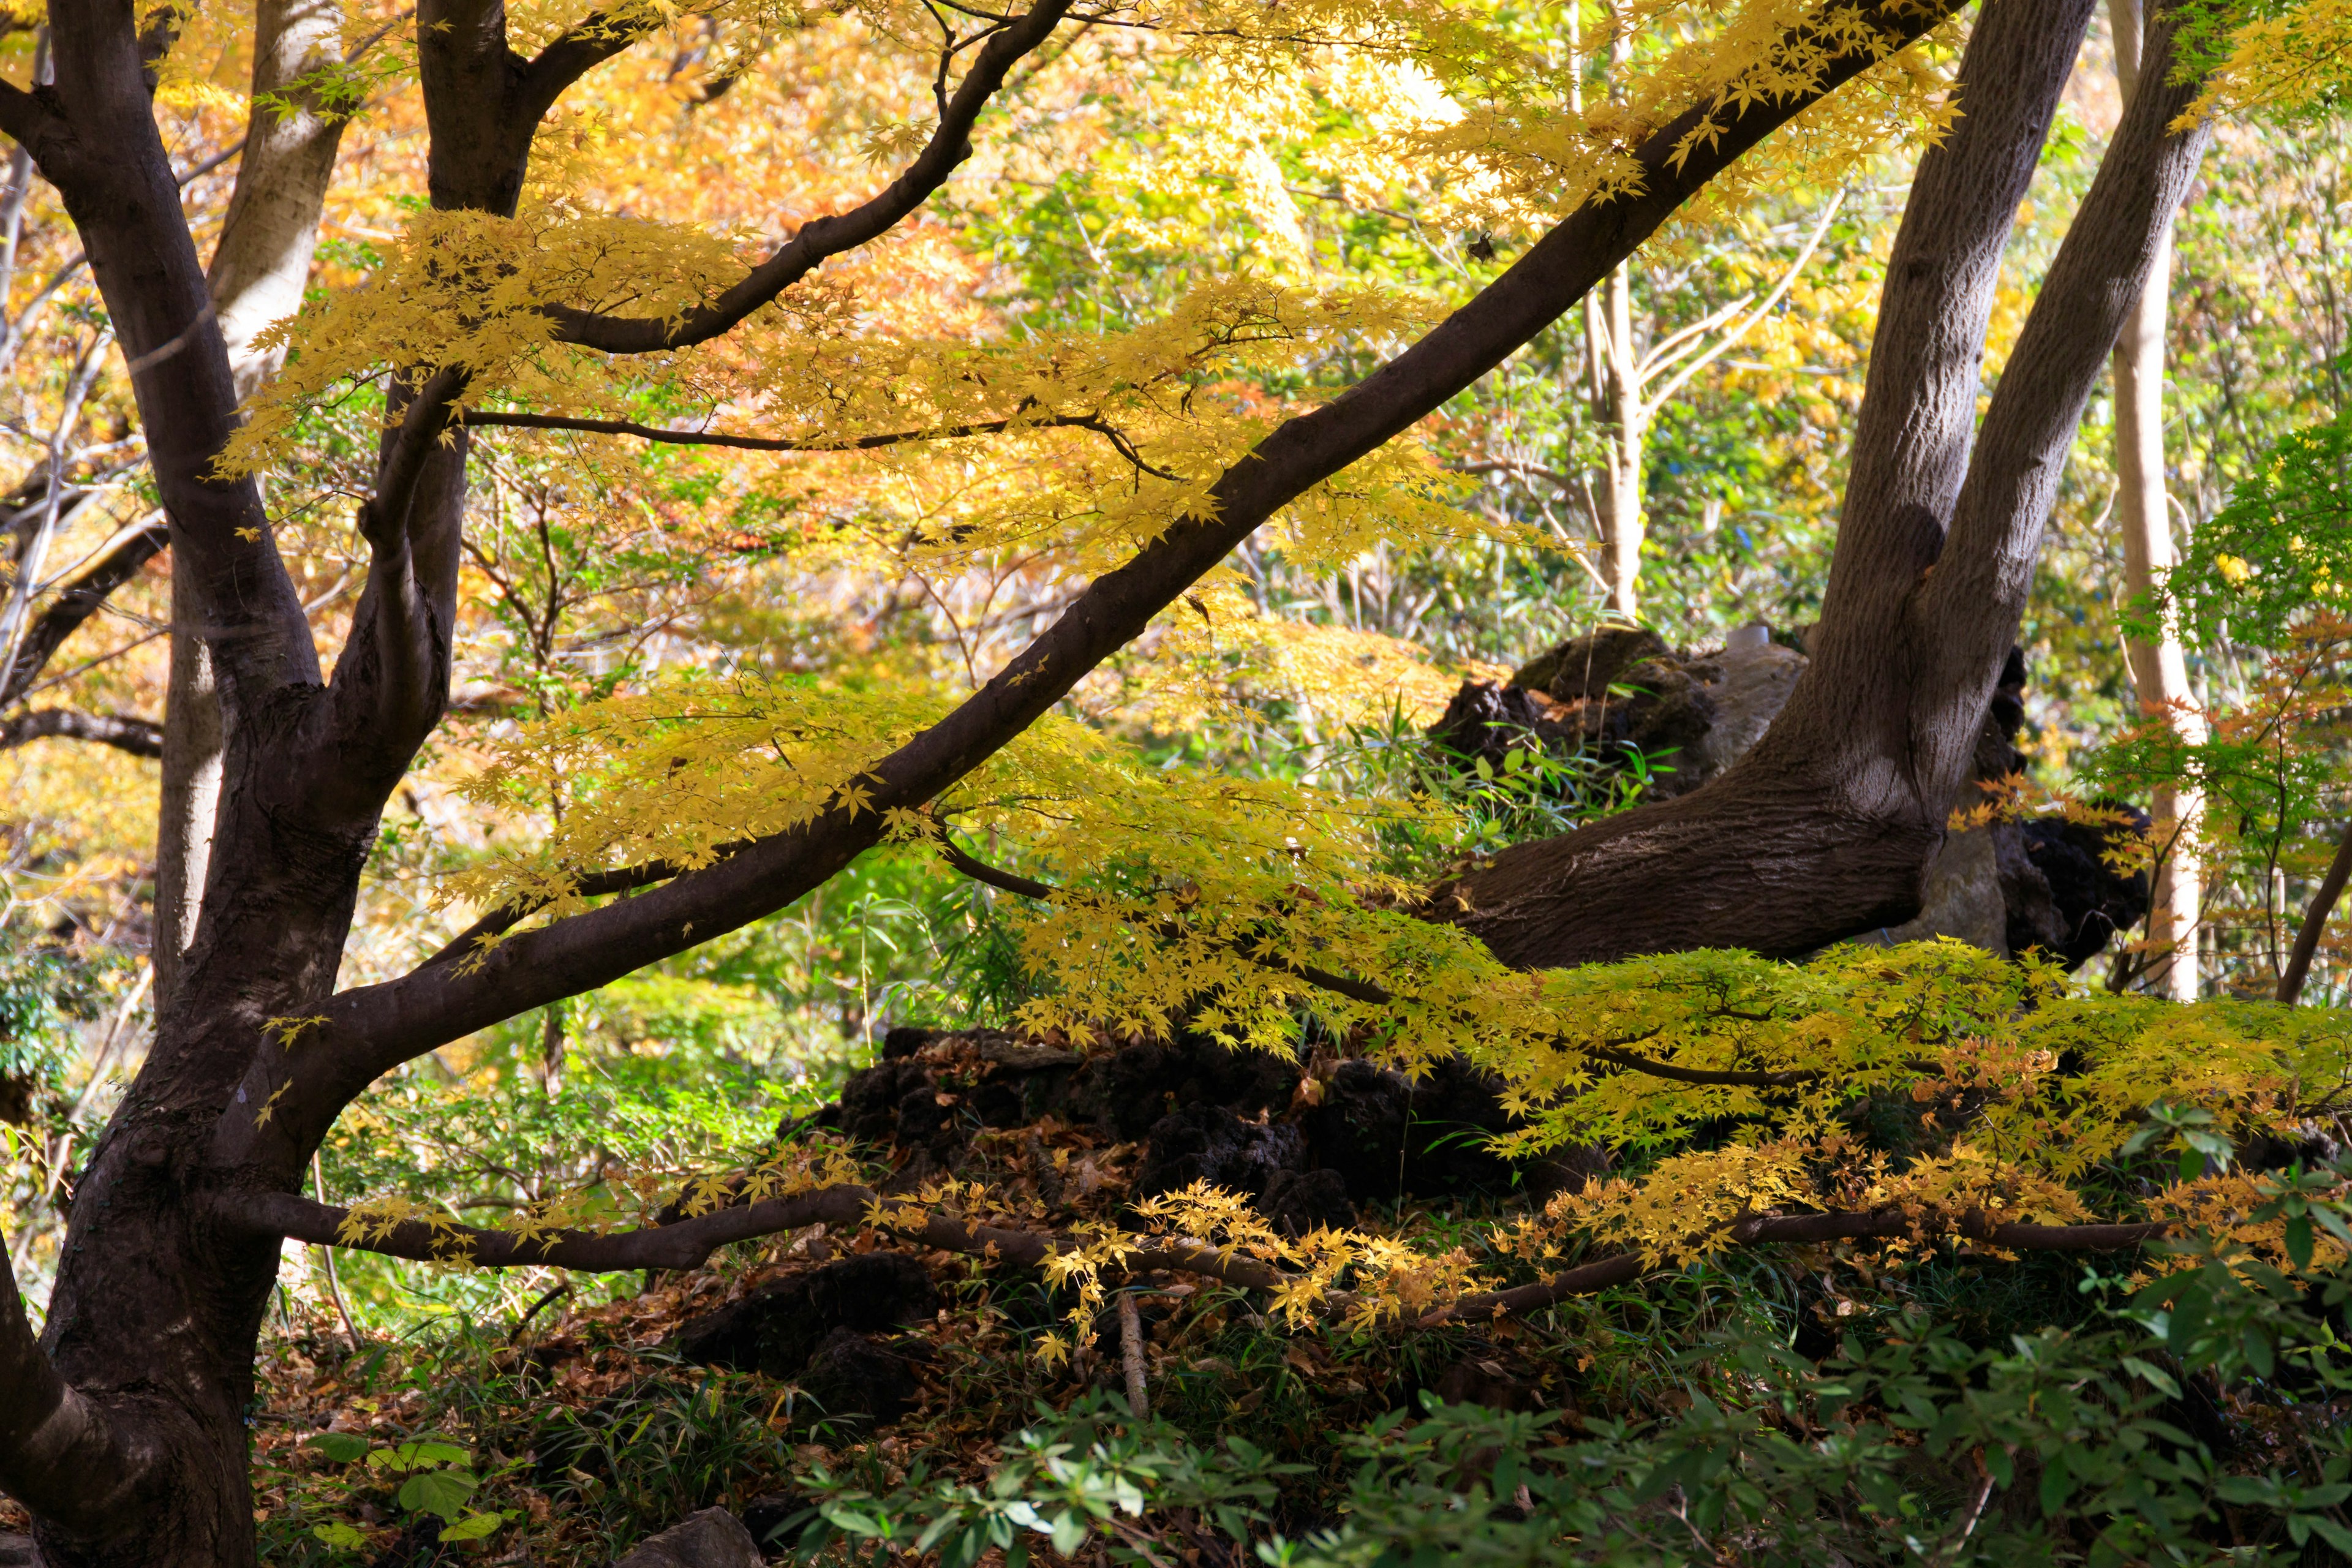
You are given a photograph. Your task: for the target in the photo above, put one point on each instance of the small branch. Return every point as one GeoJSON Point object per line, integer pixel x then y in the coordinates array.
{"type": "Point", "coordinates": [1130, 1352]}
{"type": "Point", "coordinates": [823, 238]}
{"type": "Point", "coordinates": [1802, 1231]}
{"type": "Point", "coordinates": [2314, 921]}
{"type": "Point", "coordinates": [81, 598]}
{"type": "Point", "coordinates": [136, 736]}
{"type": "Point", "coordinates": [595, 885]}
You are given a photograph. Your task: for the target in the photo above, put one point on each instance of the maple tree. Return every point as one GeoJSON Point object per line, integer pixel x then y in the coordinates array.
{"type": "Point", "coordinates": [533, 289]}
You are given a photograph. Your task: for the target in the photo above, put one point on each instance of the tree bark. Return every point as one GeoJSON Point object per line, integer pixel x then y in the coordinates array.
{"type": "Point", "coordinates": [1826, 828]}
{"type": "Point", "coordinates": [2160, 666]}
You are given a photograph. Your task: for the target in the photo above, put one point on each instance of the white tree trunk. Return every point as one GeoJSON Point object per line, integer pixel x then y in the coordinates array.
{"type": "Point", "coordinates": [2159, 669]}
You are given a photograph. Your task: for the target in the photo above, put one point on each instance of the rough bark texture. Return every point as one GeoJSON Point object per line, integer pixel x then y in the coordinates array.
{"type": "Point", "coordinates": [1825, 829]}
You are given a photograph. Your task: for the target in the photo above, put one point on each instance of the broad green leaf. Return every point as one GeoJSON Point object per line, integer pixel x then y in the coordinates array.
{"type": "Point", "coordinates": [438, 1491]}
{"type": "Point", "coordinates": [343, 1447]}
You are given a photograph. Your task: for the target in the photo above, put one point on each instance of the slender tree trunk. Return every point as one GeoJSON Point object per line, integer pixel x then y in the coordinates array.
{"type": "Point", "coordinates": [2159, 667]}
{"type": "Point", "coordinates": [1622, 417]}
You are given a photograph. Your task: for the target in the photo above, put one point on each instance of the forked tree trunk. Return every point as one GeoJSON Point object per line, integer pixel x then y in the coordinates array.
{"type": "Point", "coordinates": [1825, 829]}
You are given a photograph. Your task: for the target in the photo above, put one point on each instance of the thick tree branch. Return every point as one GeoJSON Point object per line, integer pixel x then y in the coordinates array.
{"type": "Point", "coordinates": [578, 50]}
{"type": "Point", "coordinates": [1094, 422]}
{"type": "Point", "coordinates": [688, 1243]}
{"type": "Point", "coordinates": [59, 1456]}
{"type": "Point", "coordinates": [1967, 612]}
{"type": "Point", "coordinates": [823, 238]}
{"type": "Point", "coordinates": [2315, 921]}
{"type": "Point", "coordinates": [136, 736]}
{"type": "Point", "coordinates": [371, 1029]}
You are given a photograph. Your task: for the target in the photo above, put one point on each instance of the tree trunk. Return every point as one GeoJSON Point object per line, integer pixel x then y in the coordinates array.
{"type": "Point", "coordinates": [1621, 415]}
{"type": "Point", "coordinates": [257, 274]}
{"type": "Point", "coordinates": [2159, 667]}
{"type": "Point", "coordinates": [1825, 829]}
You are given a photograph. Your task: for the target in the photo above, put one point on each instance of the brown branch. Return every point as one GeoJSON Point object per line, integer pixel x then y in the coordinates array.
{"type": "Point", "coordinates": [60, 1455]}
{"type": "Point", "coordinates": [2314, 921]}
{"type": "Point", "coordinates": [827, 237]}
{"type": "Point", "coordinates": [488, 418]}
{"type": "Point", "coordinates": [136, 736]}
{"type": "Point", "coordinates": [77, 601]}
{"type": "Point", "coordinates": [688, 1243]}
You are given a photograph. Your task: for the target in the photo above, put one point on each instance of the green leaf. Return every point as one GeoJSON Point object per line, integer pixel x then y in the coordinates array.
{"type": "Point", "coordinates": [438, 1491]}
{"type": "Point", "coordinates": [474, 1527]}
{"type": "Point", "coordinates": [2154, 1376]}
{"type": "Point", "coordinates": [422, 1454]}
{"type": "Point", "coordinates": [2327, 1529]}
{"type": "Point", "coordinates": [2299, 1241]}
{"type": "Point", "coordinates": [343, 1447]}
{"type": "Point", "coordinates": [341, 1537]}
{"type": "Point", "coordinates": [1069, 1531]}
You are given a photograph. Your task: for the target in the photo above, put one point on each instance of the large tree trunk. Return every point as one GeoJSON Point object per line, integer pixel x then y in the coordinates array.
{"type": "Point", "coordinates": [257, 274]}
{"type": "Point", "coordinates": [2160, 666]}
{"type": "Point", "coordinates": [1826, 828]}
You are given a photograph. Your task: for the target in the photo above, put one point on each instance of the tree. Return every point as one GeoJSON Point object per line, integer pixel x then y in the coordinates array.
{"type": "Point", "coordinates": [122, 1423]}
{"type": "Point", "coordinates": [1825, 827]}
{"type": "Point", "coordinates": [2159, 663]}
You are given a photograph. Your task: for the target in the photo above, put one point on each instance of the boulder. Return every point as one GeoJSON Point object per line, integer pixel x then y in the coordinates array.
{"type": "Point", "coordinates": [711, 1539]}
{"type": "Point", "coordinates": [852, 1374]}
{"type": "Point", "coordinates": [17, 1552]}
{"type": "Point", "coordinates": [778, 1328]}
{"type": "Point", "coordinates": [1210, 1143]}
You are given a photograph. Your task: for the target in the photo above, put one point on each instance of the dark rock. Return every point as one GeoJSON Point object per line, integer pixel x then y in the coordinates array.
{"type": "Point", "coordinates": [1297, 1202]}
{"type": "Point", "coordinates": [17, 1552]}
{"type": "Point", "coordinates": [774, 1517]}
{"type": "Point", "coordinates": [1127, 1091]}
{"type": "Point", "coordinates": [1210, 1143]}
{"type": "Point", "coordinates": [711, 1539]}
{"type": "Point", "coordinates": [904, 1041]}
{"type": "Point", "coordinates": [871, 1101]}
{"type": "Point", "coordinates": [778, 1328]}
{"type": "Point", "coordinates": [1584, 668]}
{"type": "Point", "coordinates": [2063, 898]}
{"type": "Point", "coordinates": [1488, 719]}
{"type": "Point", "coordinates": [852, 1374]}
{"type": "Point", "coordinates": [1388, 1138]}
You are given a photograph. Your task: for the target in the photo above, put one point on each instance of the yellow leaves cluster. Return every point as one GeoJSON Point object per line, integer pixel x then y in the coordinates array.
{"type": "Point", "coordinates": [2279, 60]}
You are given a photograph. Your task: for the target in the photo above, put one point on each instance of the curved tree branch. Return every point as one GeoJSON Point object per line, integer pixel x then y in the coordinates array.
{"type": "Point", "coordinates": [823, 238]}
{"type": "Point", "coordinates": [371, 1029]}
{"type": "Point", "coordinates": [60, 1455]}
{"type": "Point", "coordinates": [77, 601]}
{"type": "Point", "coordinates": [136, 736]}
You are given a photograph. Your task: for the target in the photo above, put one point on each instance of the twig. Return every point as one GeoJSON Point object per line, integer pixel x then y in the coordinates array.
{"type": "Point", "coordinates": [560, 1288]}
{"type": "Point", "coordinates": [327, 1257]}
{"type": "Point", "coordinates": [1130, 1350]}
